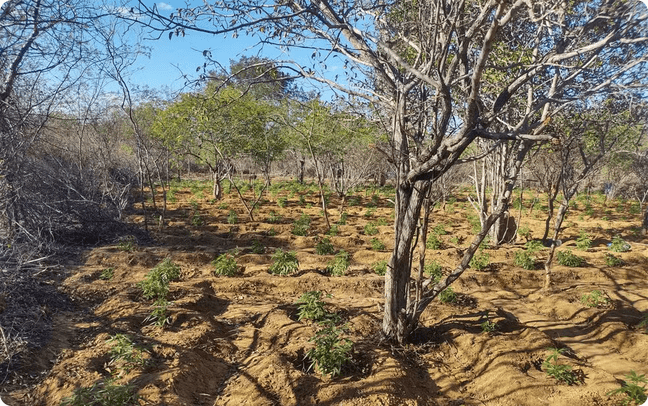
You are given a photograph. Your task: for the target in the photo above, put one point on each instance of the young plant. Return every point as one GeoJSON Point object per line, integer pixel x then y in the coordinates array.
{"type": "Point", "coordinates": [311, 307]}
{"type": "Point", "coordinates": [284, 263]}
{"type": "Point", "coordinates": [635, 394]}
{"type": "Point", "coordinates": [643, 324]}
{"type": "Point", "coordinates": [567, 258]}
{"type": "Point", "coordinates": [331, 351]}
{"type": "Point", "coordinates": [107, 274]}
{"type": "Point", "coordinates": [333, 231]}
{"type": "Point", "coordinates": [561, 373]}
{"type": "Point", "coordinates": [524, 260]}
{"type": "Point", "coordinates": [377, 245]}
{"type": "Point", "coordinates": [324, 247]}
{"type": "Point", "coordinates": [103, 394]}
{"type": "Point", "coordinates": [434, 270]}
{"type": "Point", "coordinates": [433, 242]}
{"type": "Point", "coordinates": [339, 265]}
{"type": "Point", "coordinates": [301, 225]}
{"type": "Point", "coordinates": [380, 267]}
{"type": "Point", "coordinates": [618, 244]}
{"type": "Point", "coordinates": [274, 218]}
{"type": "Point", "coordinates": [480, 260]}
{"type": "Point", "coordinates": [156, 282]}
{"type": "Point", "coordinates": [196, 220]}
{"type": "Point", "coordinates": [124, 354]}
{"type": "Point", "coordinates": [232, 217]}
{"type": "Point", "coordinates": [448, 295]}
{"type": "Point", "coordinates": [225, 264]}
{"type": "Point", "coordinates": [160, 314]}
{"type": "Point", "coordinates": [127, 244]}
{"type": "Point", "coordinates": [583, 242]}
{"type": "Point", "coordinates": [488, 326]}
{"type": "Point", "coordinates": [370, 229]}
{"type": "Point", "coordinates": [343, 218]}
{"type": "Point", "coordinates": [595, 298]}
{"type": "Point", "coordinates": [282, 201]}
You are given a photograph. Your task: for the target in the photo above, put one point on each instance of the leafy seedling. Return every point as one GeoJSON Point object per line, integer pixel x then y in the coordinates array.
{"type": "Point", "coordinates": [379, 267]}
{"type": "Point", "coordinates": [324, 247]}
{"type": "Point", "coordinates": [225, 264]}
{"type": "Point", "coordinates": [618, 244]}
{"type": "Point", "coordinates": [595, 298]}
{"type": "Point", "coordinates": [284, 263]}
{"type": "Point", "coordinates": [635, 394]}
{"type": "Point", "coordinates": [331, 350]}
{"type": "Point", "coordinates": [560, 372]}
{"type": "Point", "coordinates": [339, 265]}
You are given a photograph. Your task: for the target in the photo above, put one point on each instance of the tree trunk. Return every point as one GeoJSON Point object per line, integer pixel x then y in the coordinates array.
{"type": "Point", "coordinates": [217, 191]}
{"type": "Point", "coordinates": [300, 173]}
{"type": "Point", "coordinates": [645, 222]}
{"type": "Point", "coordinates": [554, 242]}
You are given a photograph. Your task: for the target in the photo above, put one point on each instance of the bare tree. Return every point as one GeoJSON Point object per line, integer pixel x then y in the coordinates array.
{"type": "Point", "coordinates": [436, 72]}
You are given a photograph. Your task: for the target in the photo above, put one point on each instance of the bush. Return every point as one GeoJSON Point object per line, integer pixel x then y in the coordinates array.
{"type": "Point", "coordinates": [567, 258]}
{"type": "Point", "coordinates": [331, 351]}
{"type": "Point", "coordinates": [301, 225]}
{"type": "Point", "coordinates": [611, 260]}
{"type": "Point", "coordinates": [232, 217]}
{"type": "Point", "coordinates": [524, 260]}
{"type": "Point", "coordinates": [433, 242]}
{"type": "Point", "coordinates": [583, 242]}
{"type": "Point", "coordinates": [284, 263]}
{"type": "Point", "coordinates": [156, 282]}
{"type": "Point", "coordinates": [480, 261]}
{"type": "Point", "coordinates": [225, 264]}
{"type": "Point", "coordinates": [343, 218]}
{"type": "Point", "coordinates": [377, 245]}
{"type": "Point", "coordinates": [324, 247]}
{"type": "Point", "coordinates": [311, 307]}
{"type": "Point", "coordinates": [380, 267]}
{"type": "Point", "coordinates": [103, 394]}
{"type": "Point", "coordinates": [370, 229]}
{"type": "Point", "coordinates": [448, 295]}
{"type": "Point", "coordinates": [619, 245]}
{"type": "Point", "coordinates": [434, 270]}
{"type": "Point", "coordinates": [282, 201]}
{"type": "Point", "coordinates": [339, 265]}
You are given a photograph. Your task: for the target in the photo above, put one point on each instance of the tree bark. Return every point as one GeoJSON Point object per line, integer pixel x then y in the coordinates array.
{"type": "Point", "coordinates": [645, 222]}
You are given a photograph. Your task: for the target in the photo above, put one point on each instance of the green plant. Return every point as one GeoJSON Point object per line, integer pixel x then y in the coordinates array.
{"type": "Point", "coordinates": [282, 201]}
{"type": "Point", "coordinates": [377, 245]}
{"type": "Point", "coordinates": [632, 390]}
{"type": "Point", "coordinates": [311, 307]}
{"type": "Point", "coordinates": [331, 351]}
{"type": "Point", "coordinates": [567, 258]}
{"type": "Point", "coordinates": [455, 240]}
{"type": "Point", "coordinates": [589, 210]}
{"type": "Point", "coordinates": [301, 225]}
{"type": "Point", "coordinates": [618, 244]}
{"type": "Point", "coordinates": [439, 229]}
{"type": "Point", "coordinates": [448, 295]}
{"type": "Point", "coordinates": [127, 243]}
{"type": "Point", "coordinates": [156, 282]}
{"type": "Point", "coordinates": [583, 242]}
{"type": "Point", "coordinates": [272, 232]}
{"type": "Point", "coordinates": [525, 260]}
{"type": "Point", "coordinates": [533, 246]}
{"type": "Point", "coordinates": [258, 247]}
{"type": "Point", "coordinates": [595, 298]}
{"type": "Point", "coordinates": [343, 218]}
{"type": "Point", "coordinates": [302, 200]}
{"type": "Point", "coordinates": [334, 230]}
{"type": "Point", "coordinates": [284, 263]}
{"type": "Point", "coordinates": [370, 229]}
{"type": "Point", "coordinates": [434, 270]}
{"type": "Point", "coordinates": [107, 274]}
{"type": "Point", "coordinates": [643, 324]}
{"type": "Point", "coordinates": [339, 265]}
{"type": "Point", "coordinates": [488, 326]}
{"type": "Point", "coordinates": [232, 217]}
{"type": "Point", "coordinates": [273, 217]}
{"type": "Point", "coordinates": [370, 212]}
{"type": "Point", "coordinates": [222, 206]}
{"type": "Point", "coordinates": [103, 394]}
{"type": "Point", "coordinates": [196, 220]}
{"type": "Point", "coordinates": [480, 260]}
{"type": "Point", "coordinates": [433, 242]}
{"type": "Point", "coordinates": [475, 223]}
{"type": "Point", "coordinates": [382, 222]}
{"type": "Point", "coordinates": [324, 247]}
{"type": "Point", "coordinates": [611, 260]}
{"type": "Point", "coordinates": [225, 264]}
{"type": "Point", "coordinates": [379, 267]}
{"type": "Point", "coordinates": [124, 354]}
{"type": "Point", "coordinates": [160, 314]}
{"type": "Point", "coordinates": [561, 373]}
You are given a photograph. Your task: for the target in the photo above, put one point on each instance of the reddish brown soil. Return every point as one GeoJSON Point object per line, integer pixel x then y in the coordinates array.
{"type": "Point", "coordinates": [236, 340]}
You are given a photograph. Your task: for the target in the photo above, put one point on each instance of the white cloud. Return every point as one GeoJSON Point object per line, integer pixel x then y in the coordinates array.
{"type": "Point", "coordinates": [164, 6]}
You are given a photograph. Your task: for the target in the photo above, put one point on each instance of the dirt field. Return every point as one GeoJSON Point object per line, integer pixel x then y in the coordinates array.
{"type": "Point", "coordinates": [237, 341]}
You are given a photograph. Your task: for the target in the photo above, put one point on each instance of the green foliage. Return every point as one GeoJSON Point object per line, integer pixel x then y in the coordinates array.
{"type": "Point", "coordinates": [334, 230]}
{"type": "Point", "coordinates": [284, 263]}
{"type": "Point", "coordinates": [124, 354]}
{"type": "Point", "coordinates": [370, 229]}
{"type": "Point", "coordinates": [160, 314]}
{"type": "Point", "coordinates": [634, 394]}
{"type": "Point", "coordinates": [302, 200]}
{"type": "Point", "coordinates": [311, 307]}
{"type": "Point", "coordinates": [339, 265]}
{"type": "Point", "coordinates": [480, 260]}
{"type": "Point", "coordinates": [196, 220]}
{"type": "Point", "coordinates": [324, 247]}
{"type": "Point", "coordinates": [618, 244]}
{"type": "Point", "coordinates": [232, 217]}
{"type": "Point", "coordinates": [156, 282]}
{"type": "Point", "coordinates": [382, 222]}
{"type": "Point", "coordinates": [107, 274]}
{"type": "Point", "coordinates": [282, 201]}
{"type": "Point", "coordinates": [567, 258]}
{"type": "Point", "coordinates": [127, 244]}
{"type": "Point", "coordinates": [475, 224]}
{"type": "Point", "coordinates": [370, 212]}
{"type": "Point", "coordinates": [258, 247]}
{"type": "Point", "coordinates": [433, 242]}
{"type": "Point", "coordinates": [272, 232]}
{"type": "Point", "coordinates": [439, 229]}
{"type": "Point", "coordinates": [488, 326]}
{"type": "Point", "coordinates": [643, 324]}
{"type": "Point", "coordinates": [380, 267]}
{"type": "Point", "coordinates": [595, 298]}
{"type": "Point", "coordinates": [561, 373]}
{"type": "Point", "coordinates": [343, 218]}
{"type": "Point", "coordinates": [589, 210]}
{"type": "Point", "coordinates": [301, 225]}
{"type": "Point", "coordinates": [225, 264]}
{"type": "Point", "coordinates": [525, 232]}
{"type": "Point", "coordinates": [583, 242]}
{"type": "Point", "coordinates": [331, 351]}
{"type": "Point", "coordinates": [273, 217]}
{"type": "Point", "coordinates": [533, 246]}
{"type": "Point", "coordinates": [448, 295]}
{"type": "Point", "coordinates": [103, 394]}
{"type": "Point", "coordinates": [434, 270]}
{"type": "Point", "coordinates": [377, 245]}
{"type": "Point", "coordinates": [525, 260]}
{"type": "Point", "coordinates": [611, 260]}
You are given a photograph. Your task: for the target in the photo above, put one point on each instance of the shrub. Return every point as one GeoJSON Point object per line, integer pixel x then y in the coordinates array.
{"type": "Point", "coordinates": [439, 229]}
{"type": "Point", "coordinates": [370, 229]}
{"type": "Point", "coordinates": [377, 245]}
{"type": "Point", "coordinates": [197, 221]}
{"type": "Point", "coordinates": [311, 307]}
{"type": "Point", "coordinates": [379, 267]}
{"type": "Point", "coordinates": [339, 265]}
{"type": "Point", "coordinates": [487, 325]}
{"type": "Point", "coordinates": [334, 230]}
{"type": "Point", "coordinates": [232, 217]}
{"type": "Point", "coordinates": [107, 274]}
{"type": "Point", "coordinates": [127, 244]}
{"type": "Point", "coordinates": [124, 354]}
{"type": "Point", "coordinates": [301, 225]}
{"type": "Point", "coordinates": [258, 247]}
{"type": "Point", "coordinates": [434, 270]}
{"type": "Point", "coordinates": [595, 298]}
{"type": "Point", "coordinates": [480, 261]}
{"type": "Point", "coordinates": [433, 242]}
{"type": "Point", "coordinates": [225, 264]}
{"type": "Point", "coordinates": [273, 217]}
{"type": "Point", "coordinates": [583, 242]}
{"type": "Point", "coordinates": [156, 282]}
{"type": "Point", "coordinates": [611, 260]}
{"type": "Point", "coordinates": [160, 314]}
{"type": "Point", "coordinates": [331, 351]}
{"type": "Point", "coordinates": [634, 393]}
{"type": "Point", "coordinates": [567, 258]}
{"type": "Point", "coordinates": [324, 247]}
{"type": "Point", "coordinates": [561, 373]}
{"type": "Point", "coordinates": [282, 201]}
{"type": "Point", "coordinates": [284, 262]}
{"type": "Point", "coordinates": [524, 260]}
{"type": "Point", "coordinates": [619, 245]}
{"type": "Point", "coordinates": [448, 295]}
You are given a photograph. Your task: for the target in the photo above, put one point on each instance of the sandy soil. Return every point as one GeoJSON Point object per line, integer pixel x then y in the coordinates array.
{"type": "Point", "coordinates": [237, 340]}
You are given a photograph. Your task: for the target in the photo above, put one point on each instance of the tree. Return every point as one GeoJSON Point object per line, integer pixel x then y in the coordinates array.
{"type": "Point", "coordinates": [428, 69]}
